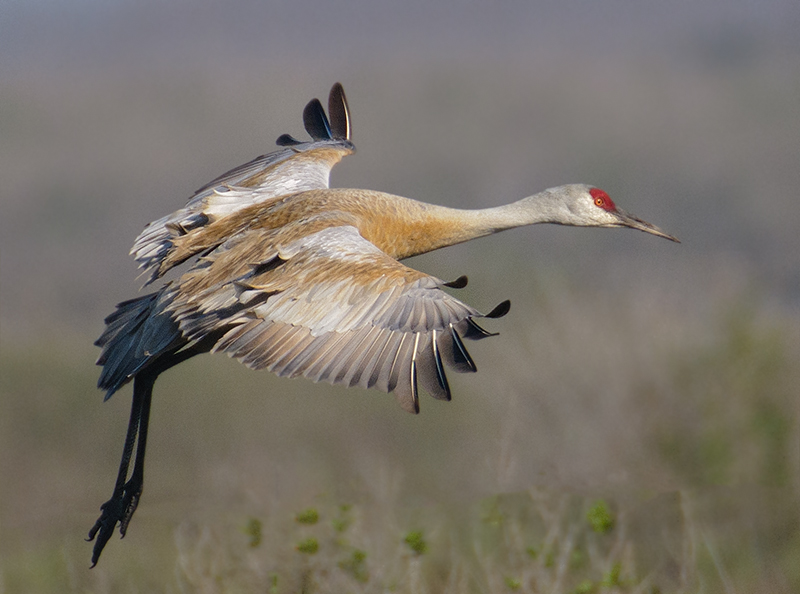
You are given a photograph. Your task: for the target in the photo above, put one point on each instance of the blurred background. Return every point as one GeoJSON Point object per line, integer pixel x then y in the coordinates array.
{"type": "Point", "coordinates": [659, 377]}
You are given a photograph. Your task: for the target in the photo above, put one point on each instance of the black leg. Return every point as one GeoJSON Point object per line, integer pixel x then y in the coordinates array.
{"type": "Point", "coordinates": [126, 495]}
{"type": "Point", "coordinates": [133, 488]}
{"type": "Point", "coordinates": [125, 499]}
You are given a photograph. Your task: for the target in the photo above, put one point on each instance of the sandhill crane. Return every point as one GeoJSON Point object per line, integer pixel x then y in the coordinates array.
{"type": "Point", "coordinates": [304, 280]}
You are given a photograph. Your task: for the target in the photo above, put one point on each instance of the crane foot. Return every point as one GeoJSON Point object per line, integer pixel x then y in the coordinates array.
{"type": "Point", "coordinates": [118, 509]}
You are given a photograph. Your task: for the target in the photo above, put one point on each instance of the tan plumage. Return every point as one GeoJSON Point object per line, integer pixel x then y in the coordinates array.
{"type": "Point", "coordinates": [304, 280]}
{"type": "Point", "coordinates": [298, 167]}
{"type": "Point", "coordinates": [315, 298]}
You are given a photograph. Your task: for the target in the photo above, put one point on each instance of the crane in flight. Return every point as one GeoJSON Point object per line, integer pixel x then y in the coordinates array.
{"type": "Point", "coordinates": [301, 279]}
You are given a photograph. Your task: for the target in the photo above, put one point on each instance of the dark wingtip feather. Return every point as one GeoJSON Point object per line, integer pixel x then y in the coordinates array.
{"type": "Point", "coordinates": [339, 113]}
{"type": "Point", "coordinates": [431, 371]}
{"type": "Point", "coordinates": [414, 387]}
{"type": "Point", "coordinates": [316, 122]}
{"type": "Point", "coordinates": [459, 283]}
{"type": "Point", "coordinates": [287, 140]}
{"type": "Point", "coordinates": [463, 361]}
{"type": "Point", "coordinates": [441, 376]}
{"type": "Point", "coordinates": [475, 332]}
{"type": "Point", "coordinates": [499, 311]}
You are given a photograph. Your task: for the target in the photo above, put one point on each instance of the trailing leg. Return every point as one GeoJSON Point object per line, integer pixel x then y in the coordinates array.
{"type": "Point", "coordinates": [133, 488]}
{"type": "Point", "coordinates": [126, 494]}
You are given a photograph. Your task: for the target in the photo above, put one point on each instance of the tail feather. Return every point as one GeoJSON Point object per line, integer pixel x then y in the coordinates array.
{"type": "Point", "coordinates": [136, 335]}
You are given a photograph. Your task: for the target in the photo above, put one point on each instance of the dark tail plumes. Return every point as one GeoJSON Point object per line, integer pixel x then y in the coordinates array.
{"type": "Point", "coordinates": [137, 334]}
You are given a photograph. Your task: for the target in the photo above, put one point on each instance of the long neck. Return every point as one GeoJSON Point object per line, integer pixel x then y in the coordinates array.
{"type": "Point", "coordinates": [543, 207]}
{"type": "Point", "coordinates": [423, 227]}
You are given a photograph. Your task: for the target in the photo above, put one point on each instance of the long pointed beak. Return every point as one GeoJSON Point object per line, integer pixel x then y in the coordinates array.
{"type": "Point", "coordinates": [628, 220]}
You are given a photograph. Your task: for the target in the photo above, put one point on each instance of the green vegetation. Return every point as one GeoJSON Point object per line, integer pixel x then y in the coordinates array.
{"type": "Point", "coordinates": [253, 531]}
{"type": "Point", "coordinates": [356, 565]}
{"type": "Point", "coordinates": [309, 546]}
{"type": "Point", "coordinates": [309, 516]}
{"type": "Point", "coordinates": [416, 542]}
{"type": "Point", "coordinates": [585, 587]}
{"type": "Point", "coordinates": [513, 583]}
{"type": "Point", "coordinates": [600, 518]}
{"type": "Point", "coordinates": [611, 577]}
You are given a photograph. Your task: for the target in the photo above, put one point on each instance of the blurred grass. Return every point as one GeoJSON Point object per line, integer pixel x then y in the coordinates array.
{"type": "Point", "coordinates": [240, 463]}
{"type": "Point", "coordinates": [742, 429]}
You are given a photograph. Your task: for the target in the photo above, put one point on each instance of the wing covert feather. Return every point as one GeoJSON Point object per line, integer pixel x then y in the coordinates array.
{"type": "Point", "coordinates": [296, 167]}
{"type": "Point", "coordinates": [333, 308]}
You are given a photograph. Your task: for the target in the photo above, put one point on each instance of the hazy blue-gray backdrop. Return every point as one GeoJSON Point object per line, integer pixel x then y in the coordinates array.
{"type": "Point", "coordinates": [688, 114]}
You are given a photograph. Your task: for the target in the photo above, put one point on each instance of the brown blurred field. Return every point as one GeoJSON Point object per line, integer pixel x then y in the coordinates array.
{"type": "Point", "coordinates": [661, 379]}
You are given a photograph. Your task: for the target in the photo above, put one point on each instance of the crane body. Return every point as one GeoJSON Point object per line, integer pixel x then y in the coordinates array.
{"type": "Point", "coordinates": [304, 280]}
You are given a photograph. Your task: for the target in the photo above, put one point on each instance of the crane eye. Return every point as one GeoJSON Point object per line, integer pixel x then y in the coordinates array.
{"type": "Point", "coordinates": [602, 200]}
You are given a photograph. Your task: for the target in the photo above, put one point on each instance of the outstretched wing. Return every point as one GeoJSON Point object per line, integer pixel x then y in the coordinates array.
{"type": "Point", "coordinates": [297, 167]}
{"type": "Point", "coordinates": [322, 302]}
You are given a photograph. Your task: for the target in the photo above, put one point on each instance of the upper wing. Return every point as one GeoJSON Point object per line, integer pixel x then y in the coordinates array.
{"type": "Point", "coordinates": [322, 302]}
{"type": "Point", "coordinates": [297, 167]}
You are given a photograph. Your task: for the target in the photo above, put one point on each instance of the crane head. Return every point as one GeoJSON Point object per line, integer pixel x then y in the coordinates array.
{"type": "Point", "coordinates": [596, 209]}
